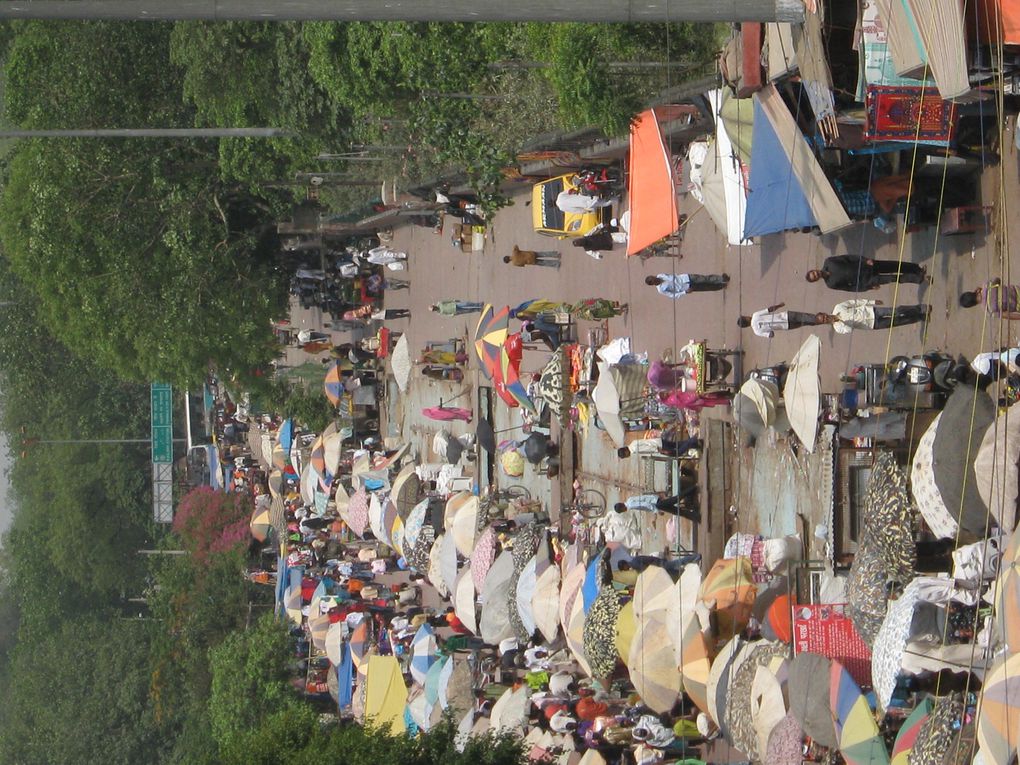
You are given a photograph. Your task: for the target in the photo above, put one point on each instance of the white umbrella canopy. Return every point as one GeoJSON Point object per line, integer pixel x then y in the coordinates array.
{"type": "Point", "coordinates": [940, 520]}
{"type": "Point", "coordinates": [435, 574]}
{"type": "Point", "coordinates": [768, 708]}
{"type": "Point", "coordinates": [546, 601]}
{"type": "Point", "coordinates": [685, 607]}
{"type": "Point", "coordinates": [654, 592]}
{"type": "Point", "coordinates": [495, 622]}
{"type": "Point", "coordinates": [652, 665]}
{"type": "Point", "coordinates": [400, 363]}
{"type": "Point", "coordinates": [574, 632]}
{"type": "Point", "coordinates": [570, 590]}
{"type": "Point", "coordinates": [464, 528]}
{"type": "Point", "coordinates": [376, 518]}
{"type": "Point", "coordinates": [618, 395]}
{"type": "Point", "coordinates": [510, 710]}
{"type": "Point", "coordinates": [998, 479]}
{"type": "Point", "coordinates": [527, 582]}
{"type": "Point", "coordinates": [802, 395]}
{"type": "Point", "coordinates": [335, 641]}
{"type": "Point", "coordinates": [448, 562]}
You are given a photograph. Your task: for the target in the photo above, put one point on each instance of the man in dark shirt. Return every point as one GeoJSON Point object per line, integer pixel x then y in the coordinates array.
{"type": "Point", "coordinates": [855, 273]}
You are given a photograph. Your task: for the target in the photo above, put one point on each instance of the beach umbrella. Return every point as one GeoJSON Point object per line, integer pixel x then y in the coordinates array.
{"type": "Point", "coordinates": [684, 607]}
{"type": "Point", "coordinates": [569, 591]}
{"type": "Point", "coordinates": [376, 517]}
{"type": "Point", "coordinates": [419, 710]}
{"type": "Point", "coordinates": [554, 385]}
{"type": "Point", "coordinates": [309, 482]}
{"type": "Point", "coordinates": [401, 364]}
{"type": "Point", "coordinates": [424, 653]}
{"type": "Point", "coordinates": [652, 665]}
{"type": "Point", "coordinates": [599, 634]}
{"type": "Point", "coordinates": [768, 707]}
{"type": "Point", "coordinates": [695, 663]}
{"type": "Point", "coordinates": [464, 598]}
{"type": "Point", "coordinates": [292, 603]}
{"type": "Point", "coordinates": [891, 642]}
{"type": "Point", "coordinates": [909, 731]}
{"type": "Point", "coordinates": [941, 522]}
{"type": "Point", "coordinates": [966, 417]}
{"type": "Point", "coordinates": [435, 573]}
{"type": "Point", "coordinates": [651, 183]}
{"type": "Point", "coordinates": [506, 378]}
{"type": "Point", "coordinates": [527, 581]}
{"type": "Point", "coordinates": [1006, 592]}
{"type": "Point", "coordinates": [495, 622]}
{"type": "Point", "coordinates": [786, 743]}
{"type": "Point", "coordinates": [573, 631]}
{"type": "Point", "coordinates": [808, 689]}
{"type": "Point", "coordinates": [755, 406]}
{"type": "Point", "coordinates": [335, 642]}
{"type": "Point", "coordinates": [510, 711]}
{"type": "Point", "coordinates": [998, 717]}
{"type": "Point", "coordinates": [619, 395]}
{"type": "Point", "coordinates": [866, 591]}
{"type": "Point", "coordinates": [998, 477]}
{"type": "Point", "coordinates": [357, 512]}
{"type": "Point", "coordinates": [536, 447]}
{"type": "Point", "coordinates": [723, 667]}
{"type": "Point", "coordinates": [485, 436]}
{"type": "Point", "coordinates": [434, 677]}
{"type": "Point", "coordinates": [545, 602]}
{"type": "Point", "coordinates": [333, 384]}
{"type": "Point", "coordinates": [530, 309]}
{"type": "Point", "coordinates": [405, 490]}
{"type": "Point", "coordinates": [512, 463]}
{"type": "Point", "coordinates": [888, 518]}
{"type": "Point", "coordinates": [860, 742]}
{"type": "Point", "coordinates": [275, 482]}
{"type": "Point", "coordinates": [729, 587]}
{"type": "Point", "coordinates": [455, 686]}
{"type": "Point", "coordinates": [490, 334]}
{"type": "Point", "coordinates": [261, 525]}
{"type": "Point", "coordinates": [318, 626]}
{"type": "Point", "coordinates": [414, 523]}
{"type": "Point", "coordinates": [626, 629]}
{"type": "Point", "coordinates": [454, 504]}
{"type": "Point", "coordinates": [255, 445]}
{"type": "Point", "coordinates": [448, 562]}
{"type": "Point", "coordinates": [464, 526]}
{"type": "Point", "coordinates": [778, 623]}
{"type": "Point", "coordinates": [385, 694]}
{"type": "Point", "coordinates": [654, 592]}
{"type": "Point", "coordinates": [482, 556]}
{"type": "Point", "coordinates": [801, 394]}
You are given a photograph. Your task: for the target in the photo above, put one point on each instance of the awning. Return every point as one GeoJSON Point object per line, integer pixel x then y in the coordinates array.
{"type": "Point", "coordinates": [651, 188]}
{"type": "Point", "coordinates": [789, 189]}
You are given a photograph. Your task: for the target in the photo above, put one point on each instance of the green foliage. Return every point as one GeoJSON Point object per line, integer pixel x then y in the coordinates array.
{"type": "Point", "coordinates": [249, 679]}
{"type": "Point", "coordinates": [80, 694]}
{"type": "Point", "coordinates": [294, 398]}
{"type": "Point", "coordinates": [297, 738]}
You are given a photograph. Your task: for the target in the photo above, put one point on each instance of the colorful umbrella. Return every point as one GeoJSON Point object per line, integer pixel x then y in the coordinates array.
{"type": "Point", "coordinates": [261, 524]}
{"type": "Point", "coordinates": [729, 587]}
{"type": "Point", "coordinates": [908, 732]}
{"type": "Point", "coordinates": [464, 599]}
{"type": "Point", "coordinates": [482, 556]}
{"type": "Point", "coordinates": [424, 653]}
{"type": "Point", "coordinates": [1007, 595]}
{"type": "Point", "coordinates": [490, 334]}
{"type": "Point", "coordinates": [999, 710]}
{"type": "Point", "coordinates": [652, 665]}
{"type": "Point", "coordinates": [512, 463]}
{"type": "Point", "coordinates": [506, 377]}
{"type": "Point", "coordinates": [696, 663]}
{"type": "Point", "coordinates": [860, 742]}
{"type": "Point", "coordinates": [626, 629]}
{"type": "Point", "coordinates": [554, 387]}
{"type": "Point", "coordinates": [786, 743]}
{"type": "Point", "coordinates": [333, 384]}
{"type": "Point", "coordinates": [357, 512]}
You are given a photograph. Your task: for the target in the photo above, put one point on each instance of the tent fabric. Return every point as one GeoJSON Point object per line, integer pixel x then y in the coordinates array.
{"type": "Point", "coordinates": [652, 189]}
{"type": "Point", "coordinates": [789, 189]}
{"type": "Point", "coordinates": [385, 694]}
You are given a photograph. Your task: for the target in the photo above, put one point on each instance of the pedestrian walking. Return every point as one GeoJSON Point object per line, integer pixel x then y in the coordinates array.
{"type": "Point", "coordinates": [1001, 300]}
{"type": "Point", "coordinates": [312, 336]}
{"type": "Point", "coordinates": [870, 314]}
{"type": "Point", "coordinates": [456, 307]}
{"type": "Point", "coordinates": [856, 273]}
{"type": "Point", "coordinates": [768, 321]}
{"type": "Point", "coordinates": [677, 285]}
{"type": "Point", "coordinates": [386, 314]}
{"type": "Point", "coordinates": [522, 258]}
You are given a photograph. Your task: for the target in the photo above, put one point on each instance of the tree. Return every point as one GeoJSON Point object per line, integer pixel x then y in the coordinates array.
{"type": "Point", "coordinates": [210, 521]}
{"type": "Point", "coordinates": [80, 694]}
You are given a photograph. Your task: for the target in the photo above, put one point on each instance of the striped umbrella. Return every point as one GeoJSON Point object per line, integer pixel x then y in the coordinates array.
{"type": "Point", "coordinates": [335, 642]}
{"type": "Point", "coordinates": [318, 626]}
{"type": "Point", "coordinates": [570, 590]}
{"type": "Point", "coordinates": [654, 592]}
{"type": "Point", "coordinates": [652, 665]}
{"type": "Point", "coordinates": [860, 742]}
{"type": "Point", "coordinates": [261, 524]}
{"type": "Point", "coordinates": [434, 677]}
{"type": "Point", "coordinates": [1007, 595]}
{"type": "Point", "coordinates": [998, 721]}
{"type": "Point", "coordinates": [729, 587]}
{"type": "Point", "coordinates": [574, 633]}
{"type": "Point", "coordinates": [908, 732]}
{"type": "Point", "coordinates": [490, 334]}
{"type": "Point", "coordinates": [333, 384]}
{"type": "Point", "coordinates": [424, 653]}
{"type": "Point", "coordinates": [357, 512]}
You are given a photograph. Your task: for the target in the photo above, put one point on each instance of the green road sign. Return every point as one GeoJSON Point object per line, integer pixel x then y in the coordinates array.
{"type": "Point", "coordinates": [161, 397]}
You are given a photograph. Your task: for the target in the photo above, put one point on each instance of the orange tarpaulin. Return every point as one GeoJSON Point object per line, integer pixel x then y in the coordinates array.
{"type": "Point", "coordinates": [998, 19]}
{"type": "Point", "coordinates": [653, 213]}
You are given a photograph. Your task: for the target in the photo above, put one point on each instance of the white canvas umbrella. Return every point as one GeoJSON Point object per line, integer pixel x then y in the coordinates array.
{"type": "Point", "coordinates": [527, 581]}
{"type": "Point", "coordinates": [801, 393]}
{"type": "Point", "coordinates": [464, 599]}
{"type": "Point", "coordinates": [400, 363]}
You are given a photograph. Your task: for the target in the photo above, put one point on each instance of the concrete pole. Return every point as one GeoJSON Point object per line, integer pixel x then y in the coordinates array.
{"type": "Point", "coordinates": [151, 133]}
{"type": "Point", "coordinates": [408, 10]}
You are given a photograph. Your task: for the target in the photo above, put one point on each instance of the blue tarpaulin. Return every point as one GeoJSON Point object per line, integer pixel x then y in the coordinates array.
{"type": "Point", "coordinates": [345, 678]}
{"type": "Point", "coordinates": [775, 201]}
{"type": "Point", "coordinates": [592, 582]}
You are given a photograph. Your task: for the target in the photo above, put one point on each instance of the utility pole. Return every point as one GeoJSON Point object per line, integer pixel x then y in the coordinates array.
{"type": "Point", "coordinates": [151, 132]}
{"type": "Point", "coordinates": [407, 10]}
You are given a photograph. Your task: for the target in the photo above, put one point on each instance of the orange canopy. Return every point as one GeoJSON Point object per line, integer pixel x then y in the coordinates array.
{"type": "Point", "coordinates": [653, 213]}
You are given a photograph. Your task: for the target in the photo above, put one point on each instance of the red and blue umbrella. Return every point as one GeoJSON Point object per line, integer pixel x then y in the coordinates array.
{"type": "Point", "coordinates": [333, 384]}
{"type": "Point", "coordinates": [490, 334]}
{"type": "Point", "coordinates": [507, 375]}
{"type": "Point", "coordinates": [907, 736]}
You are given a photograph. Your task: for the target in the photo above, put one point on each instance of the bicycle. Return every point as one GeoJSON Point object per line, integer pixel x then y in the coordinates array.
{"type": "Point", "coordinates": [496, 498]}
{"type": "Point", "coordinates": [588, 503]}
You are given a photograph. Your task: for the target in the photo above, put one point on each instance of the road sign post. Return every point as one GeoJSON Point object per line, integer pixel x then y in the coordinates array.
{"type": "Point", "coordinates": [161, 399]}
